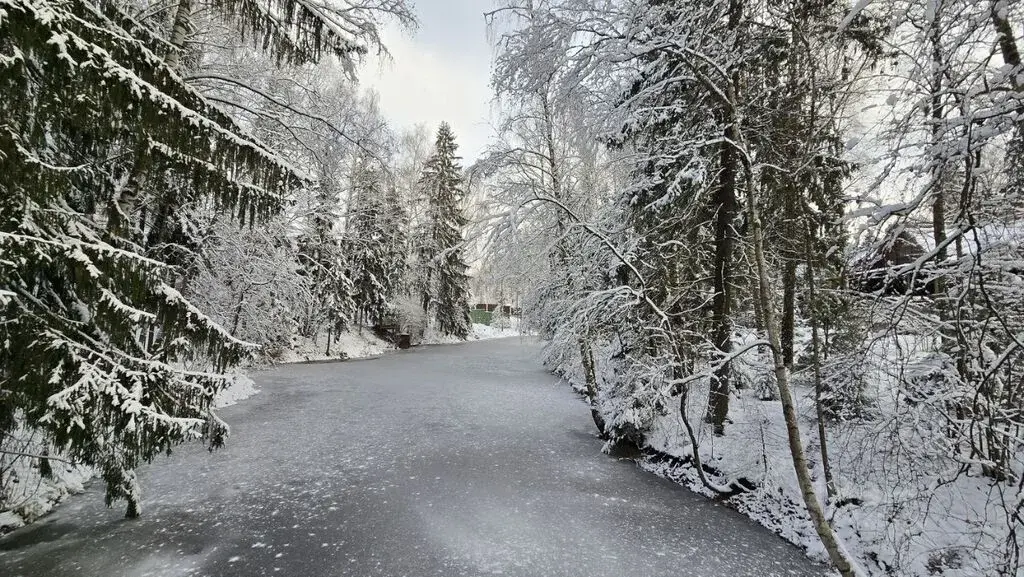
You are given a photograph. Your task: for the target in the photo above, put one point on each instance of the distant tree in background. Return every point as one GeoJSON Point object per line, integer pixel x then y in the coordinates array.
{"type": "Point", "coordinates": [442, 282]}
{"type": "Point", "coordinates": [375, 243]}
{"type": "Point", "coordinates": [323, 263]}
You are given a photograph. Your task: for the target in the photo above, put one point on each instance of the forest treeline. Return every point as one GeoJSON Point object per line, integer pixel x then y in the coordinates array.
{"type": "Point", "coordinates": [189, 184]}
{"type": "Point", "coordinates": [782, 242]}
{"type": "Point", "coordinates": [777, 241]}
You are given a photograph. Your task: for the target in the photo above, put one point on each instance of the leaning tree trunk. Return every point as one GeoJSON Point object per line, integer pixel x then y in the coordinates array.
{"type": "Point", "coordinates": [840, 558]}
{"type": "Point", "coordinates": [590, 378]}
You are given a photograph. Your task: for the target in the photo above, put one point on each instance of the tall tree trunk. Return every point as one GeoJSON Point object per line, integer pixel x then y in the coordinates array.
{"type": "Point", "coordinates": [725, 203]}
{"type": "Point", "coordinates": [790, 254]}
{"type": "Point", "coordinates": [788, 308]}
{"type": "Point", "coordinates": [837, 553]}
{"type": "Point", "coordinates": [128, 198]}
{"type": "Point", "coordinates": [1007, 41]}
{"type": "Point", "coordinates": [179, 30]}
{"type": "Point", "coordinates": [721, 306]}
{"type": "Point", "coordinates": [237, 317]}
{"type": "Point", "coordinates": [939, 171]}
{"type": "Point", "coordinates": [590, 377]}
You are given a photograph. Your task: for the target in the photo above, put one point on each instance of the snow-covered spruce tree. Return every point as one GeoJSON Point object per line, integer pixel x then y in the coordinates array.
{"type": "Point", "coordinates": [98, 128]}
{"type": "Point", "coordinates": [682, 201]}
{"type": "Point", "coordinates": [795, 117]}
{"type": "Point", "coordinates": [804, 76]}
{"type": "Point", "coordinates": [375, 242]}
{"type": "Point", "coordinates": [289, 33]}
{"type": "Point", "coordinates": [442, 282]}
{"type": "Point", "coordinates": [323, 263]}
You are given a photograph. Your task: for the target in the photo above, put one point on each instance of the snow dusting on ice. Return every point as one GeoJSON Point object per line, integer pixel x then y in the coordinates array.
{"type": "Point", "coordinates": [447, 461]}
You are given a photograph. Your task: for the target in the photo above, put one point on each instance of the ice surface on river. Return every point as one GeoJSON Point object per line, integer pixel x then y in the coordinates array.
{"type": "Point", "coordinates": [452, 460]}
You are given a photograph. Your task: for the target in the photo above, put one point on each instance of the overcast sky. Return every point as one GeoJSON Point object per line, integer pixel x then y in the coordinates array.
{"type": "Point", "coordinates": [439, 72]}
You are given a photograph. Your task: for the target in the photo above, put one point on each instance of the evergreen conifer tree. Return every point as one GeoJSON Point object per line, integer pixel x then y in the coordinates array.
{"type": "Point", "coordinates": [323, 261]}
{"type": "Point", "coordinates": [377, 243]}
{"type": "Point", "coordinates": [443, 284]}
{"type": "Point", "coordinates": [93, 331]}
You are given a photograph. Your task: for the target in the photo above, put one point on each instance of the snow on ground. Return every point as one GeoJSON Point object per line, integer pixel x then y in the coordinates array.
{"type": "Point", "coordinates": [241, 388]}
{"type": "Point", "coordinates": [484, 332]}
{"type": "Point", "coordinates": [351, 344]}
{"type": "Point", "coordinates": [899, 511]}
{"type": "Point", "coordinates": [26, 494]}
{"type": "Point", "coordinates": [503, 327]}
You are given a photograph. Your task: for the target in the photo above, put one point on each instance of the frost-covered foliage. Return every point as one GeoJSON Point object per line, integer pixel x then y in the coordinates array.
{"type": "Point", "coordinates": [376, 243]}
{"type": "Point", "coordinates": [801, 275]}
{"type": "Point", "coordinates": [120, 175]}
{"type": "Point", "coordinates": [92, 328]}
{"type": "Point", "coordinates": [32, 478]}
{"type": "Point", "coordinates": [249, 283]}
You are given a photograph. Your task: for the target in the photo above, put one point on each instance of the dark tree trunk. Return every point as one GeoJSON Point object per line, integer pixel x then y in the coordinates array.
{"type": "Point", "coordinates": [132, 512]}
{"type": "Point", "coordinates": [725, 240]}
{"type": "Point", "coordinates": [788, 310]}
{"type": "Point", "coordinates": [1007, 42]}
{"type": "Point", "coordinates": [237, 318]}
{"type": "Point", "coordinates": [45, 469]}
{"type": "Point", "coordinates": [826, 464]}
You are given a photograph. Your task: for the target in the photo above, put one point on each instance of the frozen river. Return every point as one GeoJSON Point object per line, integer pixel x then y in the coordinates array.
{"type": "Point", "coordinates": [451, 460]}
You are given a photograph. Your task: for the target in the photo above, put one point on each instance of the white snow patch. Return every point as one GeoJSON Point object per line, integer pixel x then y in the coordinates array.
{"type": "Point", "coordinates": [485, 332]}
{"type": "Point", "coordinates": [504, 328]}
{"type": "Point", "coordinates": [10, 521]}
{"type": "Point", "coordinates": [241, 388]}
{"type": "Point", "coordinates": [352, 344]}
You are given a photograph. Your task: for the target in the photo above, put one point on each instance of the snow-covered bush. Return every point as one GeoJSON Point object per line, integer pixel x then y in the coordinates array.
{"type": "Point", "coordinates": [412, 319]}
{"type": "Point", "coordinates": [500, 320]}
